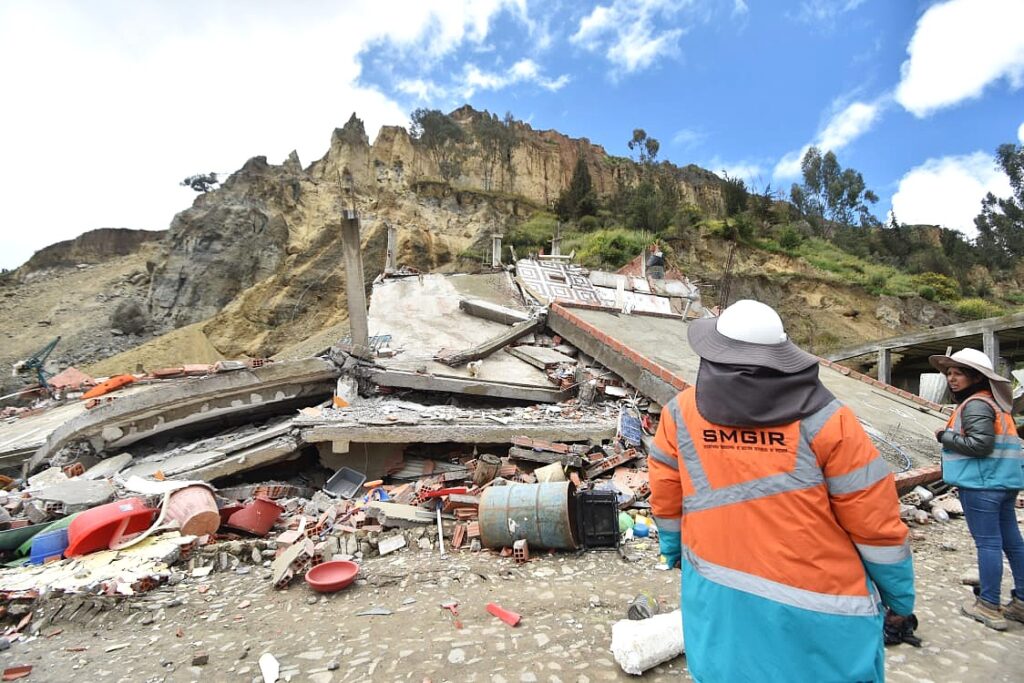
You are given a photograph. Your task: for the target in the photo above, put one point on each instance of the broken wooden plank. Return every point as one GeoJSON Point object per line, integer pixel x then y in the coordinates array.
{"type": "Point", "coordinates": [545, 457]}
{"type": "Point", "coordinates": [537, 444]}
{"type": "Point", "coordinates": [493, 312]}
{"type": "Point", "coordinates": [466, 385]}
{"type": "Point", "coordinates": [539, 356]}
{"type": "Point", "coordinates": [488, 347]}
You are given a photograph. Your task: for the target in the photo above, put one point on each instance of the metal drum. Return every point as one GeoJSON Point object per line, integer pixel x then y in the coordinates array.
{"type": "Point", "coordinates": [543, 514]}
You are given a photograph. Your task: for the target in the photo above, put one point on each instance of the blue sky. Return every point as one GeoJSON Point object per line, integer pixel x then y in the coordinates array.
{"type": "Point", "coordinates": [108, 104]}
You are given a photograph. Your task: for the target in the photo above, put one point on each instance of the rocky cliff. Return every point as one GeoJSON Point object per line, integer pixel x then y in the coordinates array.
{"type": "Point", "coordinates": [260, 257]}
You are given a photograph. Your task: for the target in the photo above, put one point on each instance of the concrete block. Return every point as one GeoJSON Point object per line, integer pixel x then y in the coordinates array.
{"type": "Point", "coordinates": [390, 544]}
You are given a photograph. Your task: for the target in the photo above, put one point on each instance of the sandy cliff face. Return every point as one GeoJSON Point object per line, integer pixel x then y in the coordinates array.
{"type": "Point", "coordinates": [260, 258]}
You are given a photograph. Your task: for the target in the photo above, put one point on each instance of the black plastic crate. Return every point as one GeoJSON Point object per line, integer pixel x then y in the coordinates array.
{"type": "Point", "coordinates": [597, 515]}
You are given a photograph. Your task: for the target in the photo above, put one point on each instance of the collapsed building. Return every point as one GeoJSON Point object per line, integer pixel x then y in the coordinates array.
{"type": "Point", "coordinates": [508, 410]}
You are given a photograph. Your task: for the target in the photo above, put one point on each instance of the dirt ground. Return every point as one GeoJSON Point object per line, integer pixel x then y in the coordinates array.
{"type": "Point", "coordinates": [568, 603]}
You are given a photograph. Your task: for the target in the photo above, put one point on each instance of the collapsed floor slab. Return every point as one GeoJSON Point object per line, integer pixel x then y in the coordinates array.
{"type": "Point", "coordinates": [276, 387]}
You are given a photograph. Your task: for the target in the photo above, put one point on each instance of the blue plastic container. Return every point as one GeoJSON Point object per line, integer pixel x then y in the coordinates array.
{"type": "Point", "coordinates": [47, 545]}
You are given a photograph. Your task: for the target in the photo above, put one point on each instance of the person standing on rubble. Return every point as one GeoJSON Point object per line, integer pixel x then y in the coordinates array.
{"type": "Point", "coordinates": [791, 545]}
{"type": "Point", "coordinates": [981, 454]}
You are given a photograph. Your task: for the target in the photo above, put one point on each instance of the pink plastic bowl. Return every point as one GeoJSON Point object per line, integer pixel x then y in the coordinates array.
{"type": "Point", "coordinates": [332, 576]}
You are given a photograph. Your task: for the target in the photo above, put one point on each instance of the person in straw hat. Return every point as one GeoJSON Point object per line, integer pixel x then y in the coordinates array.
{"type": "Point", "coordinates": [981, 454]}
{"type": "Point", "coordinates": [780, 512]}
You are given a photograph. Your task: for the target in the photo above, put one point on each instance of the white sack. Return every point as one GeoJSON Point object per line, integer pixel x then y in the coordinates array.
{"type": "Point", "coordinates": [644, 644]}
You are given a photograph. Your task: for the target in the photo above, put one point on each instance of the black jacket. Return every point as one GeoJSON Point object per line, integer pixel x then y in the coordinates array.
{"type": "Point", "coordinates": [979, 431]}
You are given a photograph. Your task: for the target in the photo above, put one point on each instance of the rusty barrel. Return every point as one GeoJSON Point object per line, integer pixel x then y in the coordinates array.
{"type": "Point", "coordinates": [543, 514]}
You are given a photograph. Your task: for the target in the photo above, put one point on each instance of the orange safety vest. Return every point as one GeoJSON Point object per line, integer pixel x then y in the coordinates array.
{"type": "Point", "coordinates": [797, 516]}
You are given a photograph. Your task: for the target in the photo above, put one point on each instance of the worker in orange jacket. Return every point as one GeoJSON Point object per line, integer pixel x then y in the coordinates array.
{"type": "Point", "coordinates": [781, 512]}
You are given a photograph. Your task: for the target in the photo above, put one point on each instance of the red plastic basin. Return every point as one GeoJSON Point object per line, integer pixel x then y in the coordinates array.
{"type": "Point", "coordinates": [258, 517]}
{"type": "Point", "coordinates": [98, 528]}
{"type": "Point", "coordinates": [332, 576]}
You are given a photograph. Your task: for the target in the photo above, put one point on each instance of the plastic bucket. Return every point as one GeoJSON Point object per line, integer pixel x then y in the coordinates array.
{"type": "Point", "coordinates": [195, 510]}
{"type": "Point", "coordinates": [257, 517]}
{"type": "Point", "coordinates": [543, 514]}
{"type": "Point", "coordinates": [47, 545]}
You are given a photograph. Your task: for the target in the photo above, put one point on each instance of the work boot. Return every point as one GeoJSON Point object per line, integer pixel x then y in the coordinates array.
{"type": "Point", "coordinates": [1014, 610]}
{"type": "Point", "coordinates": [986, 613]}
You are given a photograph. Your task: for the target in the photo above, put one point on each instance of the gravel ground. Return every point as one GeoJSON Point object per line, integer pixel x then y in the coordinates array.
{"type": "Point", "coordinates": [568, 603]}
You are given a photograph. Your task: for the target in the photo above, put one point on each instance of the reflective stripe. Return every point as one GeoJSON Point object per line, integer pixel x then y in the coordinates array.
{"type": "Point", "coordinates": [660, 456]}
{"type": "Point", "coordinates": [884, 554]}
{"type": "Point", "coordinates": [668, 524]}
{"type": "Point", "coordinates": [860, 478]}
{"type": "Point", "coordinates": [685, 448]}
{"type": "Point", "coordinates": [811, 425]}
{"type": "Point", "coordinates": [847, 605]}
{"type": "Point", "coordinates": [805, 474]}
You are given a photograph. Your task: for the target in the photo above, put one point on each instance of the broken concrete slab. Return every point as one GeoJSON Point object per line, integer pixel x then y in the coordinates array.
{"type": "Point", "coordinates": [76, 495]}
{"type": "Point", "coordinates": [109, 467]}
{"type": "Point", "coordinates": [396, 515]}
{"type": "Point", "coordinates": [545, 457]}
{"type": "Point", "coordinates": [461, 385]}
{"type": "Point", "coordinates": [389, 544]}
{"type": "Point", "coordinates": [249, 394]}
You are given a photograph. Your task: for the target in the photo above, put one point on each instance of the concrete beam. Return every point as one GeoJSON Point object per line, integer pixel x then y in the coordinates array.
{"type": "Point", "coordinates": [885, 366]}
{"type": "Point", "coordinates": [949, 332]}
{"type": "Point", "coordinates": [547, 430]}
{"type": "Point", "coordinates": [455, 358]}
{"type": "Point", "coordinates": [493, 312]}
{"type": "Point", "coordinates": [463, 385]}
{"type": "Point", "coordinates": [272, 388]}
{"type": "Point", "coordinates": [390, 256]}
{"type": "Point", "coordinates": [990, 344]}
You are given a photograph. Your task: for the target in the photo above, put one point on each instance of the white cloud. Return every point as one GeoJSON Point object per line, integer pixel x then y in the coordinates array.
{"type": "Point", "coordinates": [523, 71]}
{"type": "Point", "coordinates": [845, 126]}
{"type": "Point", "coordinates": [688, 137]}
{"type": "Point", "coordinates": [825, 11]}
{"type": "Point", "coordinates": [749, 172]}
{"type": "Point", "coordinates": [958, 48]}
{"type": "Point", "coordinates": [948, 191]}
{"type": "Point", "coordinates": [113, 103]}
{"type": "Point", "coordinates": [627, 32]}
{"type": "Point", "coordinates": [739, 8]}
{"type": "Point", "coordinates": [1020, 134]}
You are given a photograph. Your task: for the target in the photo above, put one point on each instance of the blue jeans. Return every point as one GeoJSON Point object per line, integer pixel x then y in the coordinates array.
{"type": "Point", "coordinates": [992, 522]}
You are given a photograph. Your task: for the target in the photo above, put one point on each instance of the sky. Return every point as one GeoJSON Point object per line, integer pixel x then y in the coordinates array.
{"type": "Point", "coordinates": [106, 105]}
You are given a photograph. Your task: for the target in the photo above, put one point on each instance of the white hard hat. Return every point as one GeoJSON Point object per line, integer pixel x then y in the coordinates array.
{"type": "Point", "coordinates": [752, 322]}
{"type": "Point", "coordinates": [748, 333]}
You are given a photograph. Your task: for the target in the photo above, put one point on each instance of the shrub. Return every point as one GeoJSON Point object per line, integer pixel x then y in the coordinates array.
{"type": "Point", "coordinates": [877, 282]}
{"type": "Point", "coordinates": [926, 292]}
{"type": "Point", "coordinates": [943, 287]}
{"type": "Point", "coordinates": [535, 233]}
{"type": "Point", "coordinates": [608, 248]}
{"type": "Point", "coordinates": [976, 309]}
{"type": "Point", "coordinates": [790, 239]}
{"type": "Point", "coordinates": [589, 223]}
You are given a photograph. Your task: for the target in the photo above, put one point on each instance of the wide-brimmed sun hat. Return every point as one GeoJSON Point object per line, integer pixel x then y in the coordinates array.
{"type": "Point", "coordinates": [981, 363]}
{"type": "Point", "coordinates": [748, 333]}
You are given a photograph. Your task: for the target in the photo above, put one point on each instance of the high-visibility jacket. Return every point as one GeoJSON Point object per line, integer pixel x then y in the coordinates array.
{"type": "Point", "coordinates": [1002, 469]}
{"type": "Point", "coordinates": [791, 544]}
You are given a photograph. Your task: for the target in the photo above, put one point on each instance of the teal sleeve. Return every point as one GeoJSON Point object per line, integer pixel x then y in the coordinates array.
{"type": "Point", "coordinates": [895, 584]}
{"type": "Point", "coordinates": [670, 545]}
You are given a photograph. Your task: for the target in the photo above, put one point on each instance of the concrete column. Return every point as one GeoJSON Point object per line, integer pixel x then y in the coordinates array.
{"type": "Point", "coordinates": [496, 251]}
{"type": "Point", "coordinates": [390, 259]}
{"type": "Point", "coordinates": [556, 241]}
{"type": "Point", "coordinates": [353, 255]}
{"type": "Point", "coordinates": [990, 342]}
{"type": "Point", "coordinates": [885, 366]}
